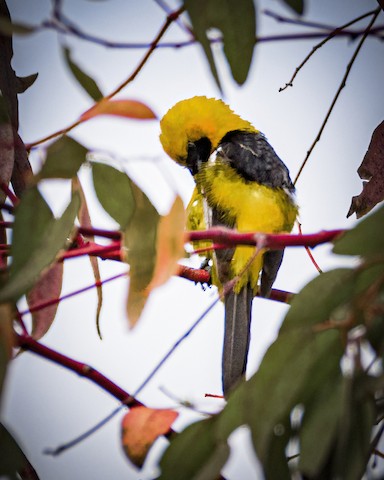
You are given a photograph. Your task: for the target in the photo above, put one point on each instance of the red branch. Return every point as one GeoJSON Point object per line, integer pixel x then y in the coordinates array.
{"type": "Point", "coordinates": [197, 275]}
{"type": "Point", "coordinates": [12, 197]}
{"type": "Point", "coordinates": [225, 237]}
{"type": "Point", "coordinates": [110, 252]}
{"type": "Point", "coordinates": [28, 343]}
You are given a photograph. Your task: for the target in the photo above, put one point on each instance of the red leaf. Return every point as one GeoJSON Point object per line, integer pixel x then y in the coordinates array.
{"type": "Point", "coordinates": [47, 288]}
{"type": "Point", "coordinates": [121, 108]}
{"type": "Point", "coordinates": [141, 426]}
{"type": "Point", "coordinates": [371, 169]}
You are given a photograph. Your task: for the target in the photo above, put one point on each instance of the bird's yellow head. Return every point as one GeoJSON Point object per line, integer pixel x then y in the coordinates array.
{"type": "Point", "coordinates": [198, 119]}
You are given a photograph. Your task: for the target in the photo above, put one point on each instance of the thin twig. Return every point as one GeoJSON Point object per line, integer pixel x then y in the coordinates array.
{"type": "Point", "coordinates": [323, 42]}
{"type": "Point", "coordinates": [309, 253]}
{"type": "Point", "coordinates": [167, 9]}
{"type": "Point", "coordinates": [342, 85]}
{"type": "Point", "coordinates": [54, 301]}
{"type": "Point", "coordinates": [305, 23]}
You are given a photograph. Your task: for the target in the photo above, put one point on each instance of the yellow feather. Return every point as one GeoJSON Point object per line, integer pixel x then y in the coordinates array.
{"type": "Point", "coordinates": [197, 117]}
{"type": "Point", "coordinates": [252, 207]}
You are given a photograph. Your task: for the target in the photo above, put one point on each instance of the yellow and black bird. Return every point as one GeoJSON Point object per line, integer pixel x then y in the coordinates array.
{"type": "Point", "coordinates": [241, 183]}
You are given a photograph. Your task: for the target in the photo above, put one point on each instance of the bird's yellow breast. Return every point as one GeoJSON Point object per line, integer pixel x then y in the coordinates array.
{"type": "Point", "coordinates": [252, 207]}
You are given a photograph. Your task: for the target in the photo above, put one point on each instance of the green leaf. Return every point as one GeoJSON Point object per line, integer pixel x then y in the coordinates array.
{"type": "Point", "coordinates": [292, 370]}
{"type": "Point", "coordinates": [140, 241]}
{"type": "Point", "coordinates": [355, 429]}
{"type": "Point", "coordinates": [64, 158]}
{"type": "Point", "coordinates": [38, 238]}
{"type": "Point", "coordinates": [12, 458]}
{"type": "Point", "coordinates": [236, 19]}
{"type": "Point", "coordinates": [115, 193]}
{"type": "Point", "coordinates": [320, 427]}
{"type": "Point", "coordinates": [195, 454]}
{"type": "Point", "coordinates": [365, 239]}
{"type": "Point", "coordinates": [32, 219]}
{"type": "Point", "coordinates": [277, 464]}
{"type": "Point", "coordinates": [296, 5]}
{"type": "Point", "coordinates": [319, 298]}
{"type": "Point", "coordinates": [88, 84]}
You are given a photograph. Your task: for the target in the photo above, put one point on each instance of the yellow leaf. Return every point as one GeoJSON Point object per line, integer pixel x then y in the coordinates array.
{"type": "Point", "coordinates": [135, 304]}
{"type": "Point", "coordinates": [120, 108]}
{"type": "Point", "coordinates": [141, 426]}
{"type": "Point", "coordinates": [170, 244]}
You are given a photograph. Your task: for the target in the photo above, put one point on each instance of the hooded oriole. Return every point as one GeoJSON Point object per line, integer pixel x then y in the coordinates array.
{"type": "Point", "coordinates": [241, 183]}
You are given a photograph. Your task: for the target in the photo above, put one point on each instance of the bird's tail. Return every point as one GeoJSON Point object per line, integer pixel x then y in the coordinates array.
{"type": "Point", "coordinates": [236, 337]}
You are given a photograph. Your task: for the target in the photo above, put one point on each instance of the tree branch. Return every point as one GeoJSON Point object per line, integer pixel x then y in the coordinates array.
{"type": "Point", "coordinates": [26, 342]}
{"type": "Point", "coordinates": [226, 238]}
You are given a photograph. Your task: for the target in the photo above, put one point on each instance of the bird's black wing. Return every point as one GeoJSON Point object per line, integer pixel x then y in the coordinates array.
{"type": "Point", "coordinates": [255, 160]}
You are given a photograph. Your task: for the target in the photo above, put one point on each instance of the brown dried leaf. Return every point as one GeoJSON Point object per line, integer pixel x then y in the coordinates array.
{"type": "Point", "coordinates": [121, 108]}
{"type": "Point", "coordinates": [372, 170]}
{"type": "Point", "coordinates": [47, 288]}
{"type": "Point", "coordinates": [6, 339]}
{"type": "Point", "coordinates": [170, 244]}
{"type": "Point", "coordinates": [141, 426]}
{"type": "Point", "coordinates": [7, 156]}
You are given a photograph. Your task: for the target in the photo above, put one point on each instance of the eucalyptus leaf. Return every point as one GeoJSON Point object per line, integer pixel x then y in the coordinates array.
{"type": "Point", "coordinates": [115, 192]}
{"type": "Point", "coordinates": [319, 427]}
{"type": "Point", "coordinates": [86, 82]}
{"type": "Point", "coordinates": [236, 20]}
{"type": "Point", "coordinates": [365, 239]}
{"type": "Point", "coordinates": [64, 158]}
{"type": "Point", "coordinates": [140, 240]}
{"type": "Point", "coordinates": [44, 236]}
{"type": "Point", "coordinates": [194, 454]}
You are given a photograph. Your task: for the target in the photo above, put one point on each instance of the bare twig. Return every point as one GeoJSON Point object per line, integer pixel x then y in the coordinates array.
{"type": "Point", "coordinates": [305, 23]}
{"type": "Point", "coordinates": [54, 301]}
{"type": "Point", "coordinates": [309, 253]}
{"type": "Point", "coordinates": [323, 42]}
{"type": "Point", "coordinates": [342, 85]}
